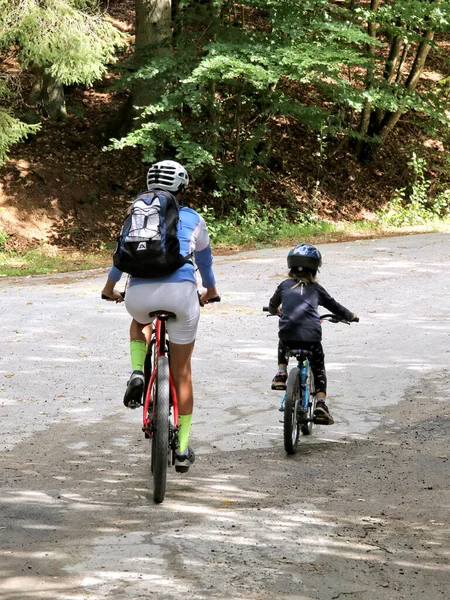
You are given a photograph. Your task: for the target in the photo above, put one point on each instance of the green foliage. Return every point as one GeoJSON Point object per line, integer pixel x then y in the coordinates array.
{"type": "Point", "coordinates": [3, 239]}
{"type": "Point", "coordinates": [249, 224]}
{"type": "Point", "coordinates": [253, 224]}
{"type": "Point", "coordinates": [413, 206]}
{"type": "Point", "coordinates": [45, 259]}
{"type": "Point", "coordinates": [12, 130]}
{"type": "Point", "coordinates": [226, 86]}
{"type": "Point", "coordinates": [70, 44]}
{"type": "Point", "coordinates": [67, 38]}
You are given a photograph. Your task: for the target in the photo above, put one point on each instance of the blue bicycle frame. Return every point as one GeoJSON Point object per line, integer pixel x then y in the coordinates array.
{"type": "Point", "coordinates": [303, 366]}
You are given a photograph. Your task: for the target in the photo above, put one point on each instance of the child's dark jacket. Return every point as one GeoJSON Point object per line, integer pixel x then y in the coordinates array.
{"type": "Point", "coordinates": [299, 312]}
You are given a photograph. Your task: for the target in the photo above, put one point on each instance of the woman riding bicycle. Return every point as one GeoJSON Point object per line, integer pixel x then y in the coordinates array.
{"type": "Point", "coordinates": [176, 293]}
{"type": "Point", "coordinates": [299, 327]}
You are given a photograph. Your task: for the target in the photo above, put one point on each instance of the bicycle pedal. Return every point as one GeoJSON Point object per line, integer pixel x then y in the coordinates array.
{"type": "Point", "coordinates": [133, 405]}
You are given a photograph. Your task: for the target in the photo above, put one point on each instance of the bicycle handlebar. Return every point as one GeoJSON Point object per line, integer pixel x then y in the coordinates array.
{"type": "Point", "coordinates": [332, 318]}
{"type": "Point", "coordinates": [335, 319]}
{"type": "Point", "coordinates": [210, 301]}
{"type": "Point", "coordinates": [108, 298]}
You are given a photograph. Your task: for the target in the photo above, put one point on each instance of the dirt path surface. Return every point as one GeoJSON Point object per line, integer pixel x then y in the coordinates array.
{"type": "Point", "coordinates": [360, 512]}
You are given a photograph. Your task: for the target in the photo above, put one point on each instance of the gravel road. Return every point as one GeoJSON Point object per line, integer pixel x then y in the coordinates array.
{"type": "Point", "coordinates": [360, 512]}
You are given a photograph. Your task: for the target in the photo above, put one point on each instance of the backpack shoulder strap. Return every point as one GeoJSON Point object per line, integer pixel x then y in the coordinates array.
{"type": "Point", "coordinates": [145, 196]}
{"type": "Point", "coordinates": [166, 195]}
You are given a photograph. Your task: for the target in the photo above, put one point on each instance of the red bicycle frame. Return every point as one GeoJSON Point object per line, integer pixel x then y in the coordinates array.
{"type": "Point", "coordinates": [159, 342]}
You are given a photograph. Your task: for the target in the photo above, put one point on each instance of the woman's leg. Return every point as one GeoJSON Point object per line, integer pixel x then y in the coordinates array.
{"type": "Point", "coordinates": [140, 332]}
{"type": "Point", "coordinates": [139, 340]}
{"type": "Point", "coordinates": [180, 368]}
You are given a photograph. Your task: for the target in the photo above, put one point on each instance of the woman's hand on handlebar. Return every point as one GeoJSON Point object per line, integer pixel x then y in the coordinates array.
{"type": "Point", "coordinates": [209, 294]}
{"type": "Point", "coordinates": [110, 293]}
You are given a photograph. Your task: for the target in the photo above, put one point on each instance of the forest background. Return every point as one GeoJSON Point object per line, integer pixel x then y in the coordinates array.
{"type": "Point", "coordinates": [296, 119]}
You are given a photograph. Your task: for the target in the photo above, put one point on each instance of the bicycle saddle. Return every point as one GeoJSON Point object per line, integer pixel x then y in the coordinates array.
{"type": "Point", "coordinates": [164, 314]}
{"type": "Point", "coordinates": [299, 352]}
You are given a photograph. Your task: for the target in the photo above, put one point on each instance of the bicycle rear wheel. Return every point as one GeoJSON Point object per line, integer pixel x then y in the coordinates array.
{"type": "Point", "coordinates": [292, 402]}
{"type": "Point", "coordinates": [307, 426]}
{"type": "Point", "coordinates": [160, 439]}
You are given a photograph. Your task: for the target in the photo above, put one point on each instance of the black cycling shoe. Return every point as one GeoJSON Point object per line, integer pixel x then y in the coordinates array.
{"type": "Point", "coordinates": [135, 387]}
{"type": "Point", "coordinates": [184, 460]}
{"type": "Point", "coordinates": [322, 415]}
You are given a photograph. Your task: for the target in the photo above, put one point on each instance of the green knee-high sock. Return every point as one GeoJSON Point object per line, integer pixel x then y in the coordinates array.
{"type": "Point", "coordinates": [138, 350]}
{"type": "Point", "coordinates": [184, 421]}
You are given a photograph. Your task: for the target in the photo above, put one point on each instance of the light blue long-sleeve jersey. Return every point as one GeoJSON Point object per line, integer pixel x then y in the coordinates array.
{"type": "Point", "coordinates": [194, 239]}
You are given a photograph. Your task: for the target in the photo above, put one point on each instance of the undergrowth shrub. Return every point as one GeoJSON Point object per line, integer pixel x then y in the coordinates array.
{"type": "Point", "coordinates": [256, 224]}
{"type": "Point", "coordinates": [3, 240]}
{"type": "Point", "coordinates": [411, 205]}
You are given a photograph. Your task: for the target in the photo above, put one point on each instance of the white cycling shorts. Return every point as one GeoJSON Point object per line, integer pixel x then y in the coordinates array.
{"type": "Point", "coordinates": [180, 298]}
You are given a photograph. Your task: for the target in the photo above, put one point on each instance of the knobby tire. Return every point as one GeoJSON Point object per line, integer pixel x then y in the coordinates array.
{"type": "Point", "coordinates": [291, 428]}
{"type": "Point", "coordinates": [160, 440]}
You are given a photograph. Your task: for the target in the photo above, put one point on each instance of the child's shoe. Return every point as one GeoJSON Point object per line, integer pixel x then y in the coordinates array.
{"type": "Point", "coordinates": [279, 381]}
{"type": "Point", "coordinates": [322, 415]}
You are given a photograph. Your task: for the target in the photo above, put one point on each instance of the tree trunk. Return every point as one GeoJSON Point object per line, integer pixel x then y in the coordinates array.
{"type": "Point", "coordinates": [153, 23]}
{"type": "Point", "coordinates": [393, 59]}
{"type": "Point", "coordinates": [49, 93]}
{"type": "Point", "coordinates": [54, 99]}
{"type": "Point", "coordinates": [402, 62]}
{"type": "Point", "coordinates": [391, 119]}
{"type": "Point", "coordinates": [419, 61]}
{"type": "Point", "coordinates": [212, 107]}
{"type": "Point", "coordinates": [367, 110]}
{"type": "Point", "coordinates": [237, 146]}
{"type": "Point", "coordinates": [381, 128]}
{"type": "Point", "coordinates": [35, 94]}
{"type": "Point", "coordinates": [153, 36]}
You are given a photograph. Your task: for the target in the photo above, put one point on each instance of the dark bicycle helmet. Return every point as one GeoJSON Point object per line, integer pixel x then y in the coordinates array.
{"type": "Point", "coordinates": [167, 175]}
{"type": "Point", "coordinates": [304, 255]}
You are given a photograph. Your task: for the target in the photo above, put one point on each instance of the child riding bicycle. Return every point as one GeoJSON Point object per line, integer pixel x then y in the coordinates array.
{"type": "Point", "coordinates": [299, 297]}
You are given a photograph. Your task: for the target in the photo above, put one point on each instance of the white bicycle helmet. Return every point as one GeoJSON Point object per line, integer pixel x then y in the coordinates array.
{"type": "Point", "coordinates": [167, 175]}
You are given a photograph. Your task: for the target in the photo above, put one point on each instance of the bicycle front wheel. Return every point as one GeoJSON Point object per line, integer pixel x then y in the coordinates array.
{"type": "Point", "coordinates": [160, 440]}
{"type": "Point", "coordinates": [291, 407]}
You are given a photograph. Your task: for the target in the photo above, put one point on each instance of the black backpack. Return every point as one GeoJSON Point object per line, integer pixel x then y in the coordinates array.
{"type": "Point", "coordinates": [148, 244]}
